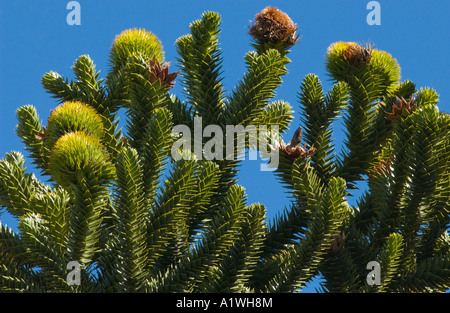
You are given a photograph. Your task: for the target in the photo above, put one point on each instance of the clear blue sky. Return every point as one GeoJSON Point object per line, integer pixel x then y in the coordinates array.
{"type": "Point", "coordinates": [35, 38]}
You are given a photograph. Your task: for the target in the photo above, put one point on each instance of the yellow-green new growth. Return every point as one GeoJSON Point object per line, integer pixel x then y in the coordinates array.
{"type": "Point", "coordinates": [135, 42]}
{"type": "Point", "coordinates": [350, 58]}
{"type": "Point", "coordinates": [72, 116]}
{"type": "Point", "coordinates": [76, 155]}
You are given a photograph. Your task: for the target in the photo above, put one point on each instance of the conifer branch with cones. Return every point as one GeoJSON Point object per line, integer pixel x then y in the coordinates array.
{"type": "Point", "coordinates": [137, 220]}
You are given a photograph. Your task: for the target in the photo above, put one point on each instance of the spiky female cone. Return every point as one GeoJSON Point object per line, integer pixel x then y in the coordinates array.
{"type": "Point", "coordinates": [77, 155]}
{"type": "Point", "coordinates": [72, 116]}
{"type": "Point", "coordinates": [138, 42]}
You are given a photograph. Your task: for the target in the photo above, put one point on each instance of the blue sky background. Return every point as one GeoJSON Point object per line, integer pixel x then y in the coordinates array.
{"type": "Point", "coordinates": [35, 38]}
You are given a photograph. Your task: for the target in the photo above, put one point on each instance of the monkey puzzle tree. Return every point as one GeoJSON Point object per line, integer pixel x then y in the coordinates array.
{"type": "Point", "coordinates": [137, 219]}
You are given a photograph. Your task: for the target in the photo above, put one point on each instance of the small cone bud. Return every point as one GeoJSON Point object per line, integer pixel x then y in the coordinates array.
{"type": "Point", "coordinates": [401, 107]}
{"type": "Point", "coordinates": [293, 150]}
{"type": "Point", "coordinates": [161, 72]}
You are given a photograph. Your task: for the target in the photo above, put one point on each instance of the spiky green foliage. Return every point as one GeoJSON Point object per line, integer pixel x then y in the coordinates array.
{"type": "Point", "coordinates": [137, 218]}
{"type": "Point", "coordinates": [319, 111]}
{"type": "Point", "coordinates": [405, 165]}
{"type": "Point", "coordinates": [200, 59]}
{"type": "Point", "coordinates": [368, 81]}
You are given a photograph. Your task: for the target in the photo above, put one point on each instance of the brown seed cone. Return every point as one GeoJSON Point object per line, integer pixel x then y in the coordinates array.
{"type": "Point", "coordinates": [274, 26]}
{"type": "Point", "coordinates": [357, 54]}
